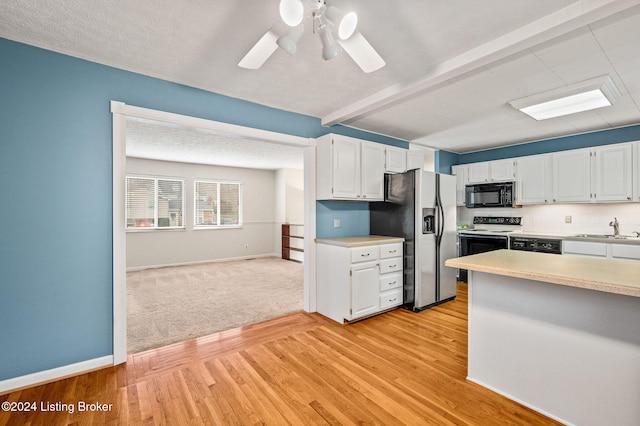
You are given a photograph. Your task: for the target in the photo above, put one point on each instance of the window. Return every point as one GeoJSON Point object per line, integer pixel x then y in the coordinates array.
{"type": "Point", "coordinates": [154, 203]}
{"type": "Point", "coordinates": [218, 204]}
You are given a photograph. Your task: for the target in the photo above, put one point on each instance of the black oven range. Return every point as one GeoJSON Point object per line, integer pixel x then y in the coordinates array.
{"type": "Point", "coordinates": [487, 234]}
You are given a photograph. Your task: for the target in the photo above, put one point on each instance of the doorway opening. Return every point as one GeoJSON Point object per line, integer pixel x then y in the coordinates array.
{"type": "Point", "coordinates": [190, 245]}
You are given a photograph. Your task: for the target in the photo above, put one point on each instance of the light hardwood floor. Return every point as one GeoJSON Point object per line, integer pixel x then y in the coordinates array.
{"type": "Point", "coordinates": [396, 368]}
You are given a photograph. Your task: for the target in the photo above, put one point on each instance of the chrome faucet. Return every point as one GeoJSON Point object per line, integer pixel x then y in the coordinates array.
{"type": "Point", "coordinates": [616, 227]}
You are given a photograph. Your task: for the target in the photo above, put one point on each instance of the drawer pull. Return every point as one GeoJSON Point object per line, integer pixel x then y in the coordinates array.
{"type": "Point", "coordinates": [365, 254]}
{"type": "Point", "coordinates": [393, 300]}
{"type": "Point", "coordinates": [392, 266]}
{"type": "Point", "coordinates": [393, 283]}
{"type": "Point", "coordinates": [392, 251]}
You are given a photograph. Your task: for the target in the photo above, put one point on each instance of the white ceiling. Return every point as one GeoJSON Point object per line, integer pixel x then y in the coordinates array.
{"type": "Point", "coordinates": [161, 141]}
{"type": "Point", "coordinates": [452, 66]}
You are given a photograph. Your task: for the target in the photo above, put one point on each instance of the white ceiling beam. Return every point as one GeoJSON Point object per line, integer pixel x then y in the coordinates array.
{"type": "Point", "coordinates": [563, 21]}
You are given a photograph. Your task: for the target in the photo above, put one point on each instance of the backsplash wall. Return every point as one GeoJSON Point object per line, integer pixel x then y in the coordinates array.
{"type": "Point", "coordinates": [550, 219]}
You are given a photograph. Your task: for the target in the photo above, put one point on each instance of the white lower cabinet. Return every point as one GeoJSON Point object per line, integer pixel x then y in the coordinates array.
{"type": "Point", "coordinates": [602, 250]}
{"type": "Point", "coordinates": [364, 295]}
{"type": "Point", "coordinates": [355, 282]}
{"type": "Point", "coordinates": [625, 252]}
{"type": "Point", "coordinates": [584, 248]}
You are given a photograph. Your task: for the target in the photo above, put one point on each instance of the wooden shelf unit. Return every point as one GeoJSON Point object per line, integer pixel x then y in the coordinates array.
{"type": "Point", "coordinates": [292, 242]}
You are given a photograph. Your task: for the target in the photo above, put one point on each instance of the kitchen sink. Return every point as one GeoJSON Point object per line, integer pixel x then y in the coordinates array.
{"type": "Point", "coordinates": [605, 236]}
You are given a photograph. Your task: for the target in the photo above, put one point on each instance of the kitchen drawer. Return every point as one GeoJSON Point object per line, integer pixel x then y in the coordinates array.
{"type": "Point", "coordinates": [390, 299]}
{"type": "Point", "coordinates": [390, 250]}
{"type": "Point", "coordinates": [390, 281]}
{"type": "Point", "coordinates": [364, 254]}
{"type": "Point", "coordinates": [390, 265]}
{"type": "Point", "coordinates": [625, 252]}
{"type": "Point", "coordinates": [583, 248]}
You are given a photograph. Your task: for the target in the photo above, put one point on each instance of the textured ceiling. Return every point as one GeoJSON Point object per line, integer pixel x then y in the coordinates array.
{"type": "Point", "coordinates": [161, 141]}
{"type": "Point", "coordinates": [452, 66]}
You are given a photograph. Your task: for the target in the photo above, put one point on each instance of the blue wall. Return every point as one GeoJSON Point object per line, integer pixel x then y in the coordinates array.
{"type": "Point", "coordinates": [586, 140]}
{"type": "Point", "coordinates": [56, 173]}
{"type": "Point", "coordinates": [353, 216]}
{"type": "Point", "coordinates": [443, 160]}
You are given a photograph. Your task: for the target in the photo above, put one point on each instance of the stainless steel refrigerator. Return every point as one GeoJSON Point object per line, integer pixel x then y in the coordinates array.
{"type": "Point", "coordinates": [421, 207]}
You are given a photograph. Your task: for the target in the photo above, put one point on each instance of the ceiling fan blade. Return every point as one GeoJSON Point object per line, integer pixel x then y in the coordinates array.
{"type": "Point", "coordinates": [362, 52]}
{"type": "Point", "coordinates": [260, 52]}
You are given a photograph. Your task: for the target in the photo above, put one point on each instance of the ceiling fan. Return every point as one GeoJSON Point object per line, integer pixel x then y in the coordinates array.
{"type": "Point", "coordinates": [337, 31]}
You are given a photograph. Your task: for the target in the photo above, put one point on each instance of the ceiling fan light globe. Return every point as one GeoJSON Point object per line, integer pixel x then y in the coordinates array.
{"type": "Point", "coordinates": [291, 12]}
{"type": "Point", "coordinates": [286, 44]}
{"type": "Point", "coordinates": [331, 52]}
{"type": "Point", "coordinates": [330, 48]}
{"type": "Point", "coordinates": [289, 42]}
{"type": "Point", "coordinates": [347, 25]}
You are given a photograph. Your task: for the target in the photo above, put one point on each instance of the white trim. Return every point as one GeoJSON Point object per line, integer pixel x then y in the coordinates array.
{"type": "Point", "coordinates": [231, 130]}
{"type": "Point", "coordinates": [119, 234]}
{"type": "Point", "coordinates": [309, 247]}
{"type": "Point", "coordinates": [200, 262]}
{"type": "Point", "coordinates": [120, 112]}
{"type": "Point", "coordinates": [54, 374]}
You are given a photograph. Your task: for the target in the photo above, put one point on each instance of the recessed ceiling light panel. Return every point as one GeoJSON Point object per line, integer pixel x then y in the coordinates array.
{"type": "Point", "coordinates": [584, 96]}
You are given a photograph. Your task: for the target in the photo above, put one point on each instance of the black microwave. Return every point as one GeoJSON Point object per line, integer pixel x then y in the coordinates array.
{"type": "Point", "coordinates": [489, 195]}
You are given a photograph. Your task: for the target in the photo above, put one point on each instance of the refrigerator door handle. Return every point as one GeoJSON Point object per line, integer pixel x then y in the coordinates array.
{"type": "Point", "coordinates": [440, 220]}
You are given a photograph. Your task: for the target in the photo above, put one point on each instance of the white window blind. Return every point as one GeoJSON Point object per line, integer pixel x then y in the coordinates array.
{"type": "Point", "coordinates": [218, 204]}
{"type": "Point", "coordinates": [155, 203]}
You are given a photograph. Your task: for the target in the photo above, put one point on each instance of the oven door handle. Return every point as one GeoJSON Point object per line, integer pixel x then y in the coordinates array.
{"type": "Point", "coordinates": [484, 236]}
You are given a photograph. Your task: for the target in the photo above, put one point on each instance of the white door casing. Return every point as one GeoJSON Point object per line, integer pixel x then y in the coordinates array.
{"type": "Point", "coordinates": [120, 112]}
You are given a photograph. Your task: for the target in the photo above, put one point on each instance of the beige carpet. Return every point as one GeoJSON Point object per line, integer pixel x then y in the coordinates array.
{"type": "Point", "coordinates": [173, 304]}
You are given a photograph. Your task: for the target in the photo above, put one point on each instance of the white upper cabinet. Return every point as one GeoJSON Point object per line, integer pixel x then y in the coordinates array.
{"type": "Point", "coordinates": [533, 179]}
{"type": "Point", "coordinates": [346, 168]}
{"type": "Point", "coordinates": [572, 176]}
{"type": "Point", "coordinates": [460, 172]}
{"type": "Point", "coordinates": [395, 160]}
{"type": "Point", "coordinates": [502, 170]}
{"type": "Point", "coordinates": [372, 171]}
{"type": "Point", "coordinates": [613, 172]}
{"type": "Point", "coordinates": [607, 173]}
{"type": "Point", "coordinates": [349, 169]}
{"type": "Point", "coordinates": [478, 172]}
{"type": "Point", "coordinates": [491, 171]}
{"type": "Point", "coordinates": [636, 171]}
{"type": "Point", "coordinates": [415, 160]}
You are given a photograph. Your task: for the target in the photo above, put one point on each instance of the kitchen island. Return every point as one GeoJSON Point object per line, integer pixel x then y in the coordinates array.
{"type": "Point", "coordinates": [559, 334]}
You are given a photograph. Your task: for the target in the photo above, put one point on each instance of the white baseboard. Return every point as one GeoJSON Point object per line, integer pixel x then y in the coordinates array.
{"type": "Point", "coordinates": [198, 262]}
{"type": "Point", "coordinates": [519, 401]}
{"type": "Point", "coordinates": [54, 374]}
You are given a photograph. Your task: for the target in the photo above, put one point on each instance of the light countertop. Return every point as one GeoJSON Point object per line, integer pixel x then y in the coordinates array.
{"type": "Point", "coordinates": [627, 240]}
{"type": "Point", "coordinates": [366, 240]}
{"type": "Point", "coordinates": [611, 276]}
